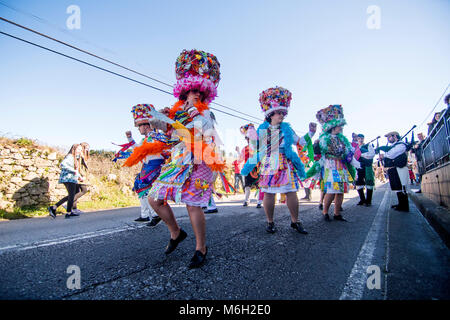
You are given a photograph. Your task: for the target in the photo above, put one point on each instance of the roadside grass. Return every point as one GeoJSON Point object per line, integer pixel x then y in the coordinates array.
{"type": "Point", "coordinates": [23, 212]}
{"type": "Point", "coordinates": [114, 199]}
{"type": "Point", "coordinates": [109, 199]}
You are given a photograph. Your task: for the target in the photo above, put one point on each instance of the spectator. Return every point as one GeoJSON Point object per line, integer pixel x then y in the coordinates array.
{"type": "Point", "coordinates": [82, 188]}
{"type": "Point", "coordinates": [70, 176]}
{"type": "Point", "coordinates": [433, 122]}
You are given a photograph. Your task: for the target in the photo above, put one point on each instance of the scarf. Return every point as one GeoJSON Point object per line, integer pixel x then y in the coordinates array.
{"type": "Point", "coordinates": [288, 135]}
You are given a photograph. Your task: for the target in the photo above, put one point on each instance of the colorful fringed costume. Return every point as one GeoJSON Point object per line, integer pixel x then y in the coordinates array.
{"type": "Point", "coordinates": [306, 154]}
{"type": "Point", "coordinates": [149, 152]}
{"type": "Point", "coordinates": [188, 175]}
{"type": "Point", "coordinates": [336, 163]}
{"type": "Point", "coordinates": [280, 168]}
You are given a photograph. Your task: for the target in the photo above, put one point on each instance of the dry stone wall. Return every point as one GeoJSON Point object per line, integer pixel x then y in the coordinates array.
{"type": "Point", "coordinates": [29, 176]}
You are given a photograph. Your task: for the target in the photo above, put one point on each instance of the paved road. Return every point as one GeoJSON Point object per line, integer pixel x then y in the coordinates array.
{"type": "Point", "coordinates": [122, 259]}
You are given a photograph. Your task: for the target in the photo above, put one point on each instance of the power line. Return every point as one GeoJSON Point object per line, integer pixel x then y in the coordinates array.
{"type": "Point", "coordinates": [43, 21]}
{"type": "Point", "coordinates": [106, 70]}
{"type": "Point", "coordinates": [81, 50]}
{"type": "Point", "coordinates": [437, 102]}
{"type": "Point", "coordinates": [111, 62]}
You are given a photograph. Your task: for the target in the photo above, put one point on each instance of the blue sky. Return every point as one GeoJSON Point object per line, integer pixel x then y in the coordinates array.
{"type": "Point", "coordinates": [322, 51]}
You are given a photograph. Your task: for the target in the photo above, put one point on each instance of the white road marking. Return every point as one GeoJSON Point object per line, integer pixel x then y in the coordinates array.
{"type": "Point", "coordinates": [356, 282]}
{"type": "Point", "coordinates": [67, 239]}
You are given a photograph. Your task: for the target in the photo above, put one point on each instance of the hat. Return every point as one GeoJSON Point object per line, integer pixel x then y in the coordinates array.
{"type": "Point", "coordinates": [141, 113]}
{"type": "Point", "coordinates": [360, 135]}
{"type": "Point", "coordinates": [249, 131]}
{"type": "Point", "coordinates": [245, 128]}
{"type": "Point", "coordinates": [331, 117]}
{"type": "Point", "coordinates": [199, 70]}
{"type": "Point", "coordinates": [395, 133]}
{"type": "Point", "coordinates": [274, 99]}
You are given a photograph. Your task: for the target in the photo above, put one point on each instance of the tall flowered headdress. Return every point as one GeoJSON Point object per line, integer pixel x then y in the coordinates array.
{"type": "Point", "coordinates": [199, 70]}
{"type": "Point", "coordinates": [249, 131]}
{"type": "Point", "coordinates": [274, 99]}
{"type": "Point", "coordinates": [141, 113]}
{"type": "Point", "coordinates": [331, 117]}
{"type": "Point", "coordinates": [245, 128]}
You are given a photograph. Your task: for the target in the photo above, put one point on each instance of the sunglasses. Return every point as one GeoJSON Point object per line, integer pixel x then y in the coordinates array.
{"type": "Point", "coordinates": [143, 124]}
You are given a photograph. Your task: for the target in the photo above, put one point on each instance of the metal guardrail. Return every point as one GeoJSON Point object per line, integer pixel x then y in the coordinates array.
{"type": "Point", "coordinates": [435, 150]}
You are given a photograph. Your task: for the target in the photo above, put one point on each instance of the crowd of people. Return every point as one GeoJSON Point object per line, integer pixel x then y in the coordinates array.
{"type": "Point", "coordinates": [180, 158]}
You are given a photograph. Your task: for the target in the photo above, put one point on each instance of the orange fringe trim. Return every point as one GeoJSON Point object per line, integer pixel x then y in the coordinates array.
{"type": "Point", "coordinates": [147, 148]}
{"type": "Point", "coordinates": [207, 154]}
{"type": "Point", "coordinates": [201, 107]}
{"type": "Point", "coordinates": [209, 157]}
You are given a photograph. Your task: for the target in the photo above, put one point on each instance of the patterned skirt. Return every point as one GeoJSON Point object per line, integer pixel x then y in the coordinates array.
{"type": "Point", "coordinates": [284, 179]}
{"type": "Point", "coordinates": [189, 184]}
{"type": "Point", "coordinates": [144, 179]}
{"type": "Point", "coordinates": [336, 177]}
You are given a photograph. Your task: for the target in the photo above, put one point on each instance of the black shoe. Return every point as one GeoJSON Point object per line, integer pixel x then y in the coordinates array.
{"type": "Point", "coordinates": [339, 218]}
{"type": "Point", "coordinates": [140, 219]}
{"type": "Point", "coordinates": [362, 198]}
{"type": "Point", "coordinates": [258, 205]}
{"type": "Point", "coordinates": [198, 259]}
{"type": "Point", "coordinates": [174, 243]}
{"type": "Point", "coordinates": [368, 204]}
{"type": "Point", "coordinates": [298, 226]}
{"type": "Point", "coordinates": [52, 211]}
{"type": "Point", "coordinates": [321, 206]}
{"type": "Point", "coordinates": [211, 211]}
{"type": "Point", "coordinates": [155, 220]}
{"type": "Point", "coordinates": [245, 204]}
{"type": "Point", "coordinates": [326, 217]}
{"type": "Point", "coordinates": [270, 228]}
{"type": "Point", "coordinates": [71, 214]}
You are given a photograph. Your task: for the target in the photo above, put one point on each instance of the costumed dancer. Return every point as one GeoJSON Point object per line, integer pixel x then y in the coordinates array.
{"type": "Point", "coordinates": [151, 162]}
{"type": "Point", "coordinates": [188, 175]}
{"type": "Point", "coordinates": [355, 146]}
{"type": "Point", "coordinates": [395, 161]}
{"type": "Point", "coordinates": [280, 167]}
{"type": "Point", "coordinates": [237, 172]}
{"type": "Point", "coordinates": [305, 151]}
{"type": "Point", "coordinates": [337, 168]}
{"type": "Point", "coordinates": [365, 175]}
{"type": "Point", "coordinates": [316, 172]}
{"type": "Point", "coordinates": [251, 180]}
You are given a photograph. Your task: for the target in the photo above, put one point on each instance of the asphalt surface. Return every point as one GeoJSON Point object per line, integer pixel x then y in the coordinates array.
{"type": "Point", "coordinates": [122, 259]}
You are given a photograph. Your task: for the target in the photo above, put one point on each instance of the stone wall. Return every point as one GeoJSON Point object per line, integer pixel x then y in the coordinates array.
{"type": "Point", "coordinates": [436, 185]}
{"type": "Point", "coordinates": [29, 176]}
